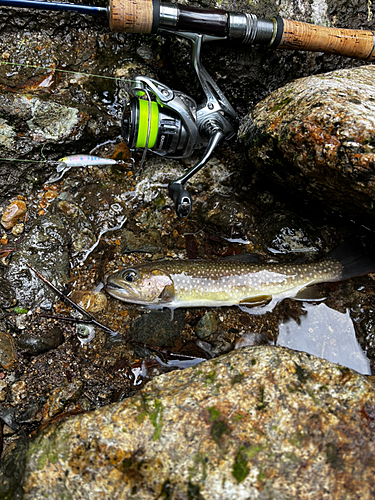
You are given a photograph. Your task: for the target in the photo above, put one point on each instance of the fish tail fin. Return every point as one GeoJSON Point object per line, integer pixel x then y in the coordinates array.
{"type": "Point", "coordinates": [356, 260]}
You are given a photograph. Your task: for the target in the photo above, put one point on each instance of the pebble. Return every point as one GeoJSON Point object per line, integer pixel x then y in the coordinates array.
{"type": "Point", "coordinates": [18, 229]}
{"type": "Point", "coordinates": [15, 211]}
{"type": "Point", "coordinates": [8, 354]}
{"type": "Point", "coordinates": [206, 325]}
{"type": "Point", "coordinates": [3, 390]}
{"type": "Point", "coordinates": [19, 392]}
{"type": "Point", "coordinates": [90, 301]}
{"type": "Point", "coordinates": [42, 342]}
{"type": "Point", "coordinates": [158, 327]}
{"type": "Point", "coordinates": [251, 339]}
{"type": "Point", "coordinates": [61, 398]}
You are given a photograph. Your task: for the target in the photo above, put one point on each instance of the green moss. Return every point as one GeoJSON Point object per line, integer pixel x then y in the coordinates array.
{"type": "Point", "coordinates": [237, 378]}
{"type": "Point", "coordinates": [301, 373]}
{"type": "Point", "coordinates": [166, 490]}
{"type": "Point", "coordinates": [262, 404]}
{"type": "Point", "coordinates": [156, 418]}
{"type": "Point", "coordinates": [219, 429]}
{"type": "Point", "coordinates": [141, 417]}
{"type": "Point", "coordinates": [297, 439]}
{"type": "Point", "coordinates": [333, 457]}
{"type": "Point", "coordinates": [240, 468]}
{"type": "Point", "coordinates": [210, 377]}
{"type": "Point", "coordinates": [291, 457]}
{"type": "Point", "coordinates": [200, 464]}
{"type": "Point", "coordinates": [281, 104]}
{"type": "Point", "coordinates": [214, 413]}
{"type": "Point", "coordinates": [193, 492]}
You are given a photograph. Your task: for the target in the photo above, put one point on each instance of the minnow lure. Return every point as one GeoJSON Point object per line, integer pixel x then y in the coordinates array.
{"type": "Point", "coordinates": [67, 162]}
{"type": "Point", "coordinates": [83, 161]}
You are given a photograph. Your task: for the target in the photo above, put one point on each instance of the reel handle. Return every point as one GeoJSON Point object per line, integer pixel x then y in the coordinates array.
{"type": "Point", "coordinates": [149, 16]}
{"type": "Point", "coordinates": [182, 199]}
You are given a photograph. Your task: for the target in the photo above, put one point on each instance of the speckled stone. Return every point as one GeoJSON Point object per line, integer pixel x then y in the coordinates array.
{"type": "Point", "coordinates": [315, 135]}
{"type": "Point", "coordinates": [8, 353]}
{"type": "Point", "coordinates": [13, 212]}
{"type": "Point", "coordinates": [257, 423]}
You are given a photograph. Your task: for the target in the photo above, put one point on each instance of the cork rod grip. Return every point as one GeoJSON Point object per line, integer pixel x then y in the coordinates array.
{"type": "Point", "coordinates": [131, 16]}
{"type": "Point", "coordinates": [358, 44]}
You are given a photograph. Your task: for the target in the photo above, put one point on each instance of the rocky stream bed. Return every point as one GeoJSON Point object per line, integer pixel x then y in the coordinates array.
{"type": "Point", "coordinates": [276, 404]}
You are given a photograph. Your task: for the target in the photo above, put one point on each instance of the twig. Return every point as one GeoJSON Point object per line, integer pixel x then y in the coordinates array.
{"type": "Point", "coordinates": [73, 304]}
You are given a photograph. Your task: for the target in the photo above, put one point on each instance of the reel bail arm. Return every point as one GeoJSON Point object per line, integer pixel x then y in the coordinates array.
{"type": "Point", "coordinates": [176, 189]}
{"type": "Point", "coordinates": [217, 122]}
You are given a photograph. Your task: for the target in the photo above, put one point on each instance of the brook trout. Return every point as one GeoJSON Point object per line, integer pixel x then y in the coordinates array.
{"type": "Point", "coordinates": [198, 283]}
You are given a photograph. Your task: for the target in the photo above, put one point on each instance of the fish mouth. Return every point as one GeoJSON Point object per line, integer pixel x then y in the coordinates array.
{"type": "Point", "coordinates": [113, 286]}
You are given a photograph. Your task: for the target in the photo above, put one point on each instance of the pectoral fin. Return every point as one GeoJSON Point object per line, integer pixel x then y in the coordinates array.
{"type": "Point", "coordinates": [256, 301]}
{"type": "Point", "coordinates": [167, 295]}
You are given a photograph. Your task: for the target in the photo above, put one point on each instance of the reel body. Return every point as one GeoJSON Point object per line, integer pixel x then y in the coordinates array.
{"type": "Point", "coordinates": [169, 123]}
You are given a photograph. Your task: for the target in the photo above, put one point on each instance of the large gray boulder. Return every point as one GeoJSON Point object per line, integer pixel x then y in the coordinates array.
{"type": "Point", "coordinates": [257, 423]}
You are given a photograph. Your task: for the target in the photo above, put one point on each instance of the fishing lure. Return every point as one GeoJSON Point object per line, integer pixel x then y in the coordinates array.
{"type": "Point", "coordinates": [83, 161]}
{"type": "Point", "coordinates": [68, 162]}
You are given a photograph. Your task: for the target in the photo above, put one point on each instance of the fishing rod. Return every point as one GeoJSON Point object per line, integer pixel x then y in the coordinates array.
{"type": "Point", "coordinates": [170, 123]}
{"type": "Point", "coordinates": [153, 16]}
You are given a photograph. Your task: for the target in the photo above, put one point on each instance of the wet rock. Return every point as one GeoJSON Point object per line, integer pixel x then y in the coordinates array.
{"type": "Point", "coordinates": [80, 228]}
{"type": "Point", "coordinates": [90, 301]}
{"type": "Point", "coordinates": [45, 247]}
{"type": "Point", "coordinates": [252, 339]}
{"type": "Point", "coordinates": [315, 136]}
{"type": "Point", "coordinates": [200, 435]}
{"type": "Point", "coordinates": [40, 342]}
{"type": "Point", "coordinates": [7, 295]}
{"type": "Point", "coordinates": [221, 345]}
{"type": "Point", "coordinates": [229, 216]}
{"type": "Point", "coordinates": [145, 242]}
{"type": "Point", "coordinates": [61, 398]}
{"type": "Point", "coordinates": [8, 353]}
{"type": "Point", "coordinates": [13, 466]}
{"type": "Point", "coordinates": [13, 212]}
{"type": "Point", "coordinates": [7, 416]}
{"type": "Point", "coordinates": [158, 327]}
{"type": "Point", "coordinates": [206, 325]}
{"type": "Point", "coordinates": [286, 233]}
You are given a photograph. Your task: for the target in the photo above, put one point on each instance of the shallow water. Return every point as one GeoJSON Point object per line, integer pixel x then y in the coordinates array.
{"type": "Point", "coordinates": [325, 333]}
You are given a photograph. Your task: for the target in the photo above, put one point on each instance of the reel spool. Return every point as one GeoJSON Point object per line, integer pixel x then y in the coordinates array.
{"type": "Point", "coordinates": [167, 133]}
{"type": "Point", "coordinates": [173, 126]}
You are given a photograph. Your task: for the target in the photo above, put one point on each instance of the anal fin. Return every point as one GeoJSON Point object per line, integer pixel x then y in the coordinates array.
{"type": "Point", "coordinates": [312, 292]}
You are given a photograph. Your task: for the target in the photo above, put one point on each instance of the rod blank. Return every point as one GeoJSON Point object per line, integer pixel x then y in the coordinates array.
{"type": "Point", "coordinates": [44, 5]}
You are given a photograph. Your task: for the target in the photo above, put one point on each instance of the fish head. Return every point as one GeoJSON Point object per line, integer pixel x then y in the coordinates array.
{"type": "Point", "coordinates": [142, 285]}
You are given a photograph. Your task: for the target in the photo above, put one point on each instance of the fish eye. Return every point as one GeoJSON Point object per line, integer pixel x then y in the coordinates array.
{"type": "Point", "coordinates": [130, 275]}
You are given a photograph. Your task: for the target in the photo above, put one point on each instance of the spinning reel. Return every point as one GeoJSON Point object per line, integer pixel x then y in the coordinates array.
{"type": "Point", "coordinates": [173, 125]}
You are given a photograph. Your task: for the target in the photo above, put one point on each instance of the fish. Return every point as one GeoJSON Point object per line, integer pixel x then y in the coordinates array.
{"type": "Point", "coordinates": [216, 283]}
